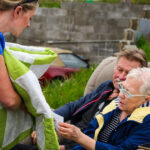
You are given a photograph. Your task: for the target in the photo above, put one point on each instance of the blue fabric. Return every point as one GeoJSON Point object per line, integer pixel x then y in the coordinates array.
{"type": "Point", "coordinates": [2, 43]}
{"type": "Point", "coordinates": [128, 136]}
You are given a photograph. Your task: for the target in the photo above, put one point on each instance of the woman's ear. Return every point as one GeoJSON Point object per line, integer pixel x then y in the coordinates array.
{"type": "Point", "coordinates": [18, 11]}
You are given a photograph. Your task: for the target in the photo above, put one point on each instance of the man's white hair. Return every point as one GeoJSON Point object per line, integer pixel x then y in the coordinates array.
{"type": "Point", "coordinates": [141, 74]}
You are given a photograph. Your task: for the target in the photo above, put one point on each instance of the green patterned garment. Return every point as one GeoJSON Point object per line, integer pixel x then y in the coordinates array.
{"type": "Point", "coordinates": [25, 65]}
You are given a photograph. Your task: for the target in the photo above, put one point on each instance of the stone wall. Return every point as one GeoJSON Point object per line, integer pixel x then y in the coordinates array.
{"type": "Point", "coordinates": [92, 30]}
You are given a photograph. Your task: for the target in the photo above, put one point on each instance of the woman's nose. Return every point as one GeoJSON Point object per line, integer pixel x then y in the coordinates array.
{"type": "Point", "coordinates": [121, 95]}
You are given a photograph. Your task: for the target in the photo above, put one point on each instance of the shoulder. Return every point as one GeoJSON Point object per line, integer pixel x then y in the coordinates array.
{"type": "Point", "coordinates": [140, 115]}
{"type": "Point", "coordinates": [107, 85]}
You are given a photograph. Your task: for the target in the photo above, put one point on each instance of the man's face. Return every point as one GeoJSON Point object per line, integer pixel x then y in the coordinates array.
{"type": "Point", "coordinates": [129, 104]}
{"type": "Point", "coordinates": [122, 69]}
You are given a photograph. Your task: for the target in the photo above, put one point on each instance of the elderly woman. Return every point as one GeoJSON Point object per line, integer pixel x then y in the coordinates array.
{"type": "Point", "coordinates": [15, 16]}
{"type": "Point", "coordinates": [125, 127]}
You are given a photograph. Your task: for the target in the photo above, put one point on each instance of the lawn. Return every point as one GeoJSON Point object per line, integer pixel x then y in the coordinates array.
{"type": "Point", "coordinates": [59, 93]}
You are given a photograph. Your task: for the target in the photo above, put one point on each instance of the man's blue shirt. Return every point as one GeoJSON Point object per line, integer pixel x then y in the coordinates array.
{"type": "Point", "coordinates": [2, 43]}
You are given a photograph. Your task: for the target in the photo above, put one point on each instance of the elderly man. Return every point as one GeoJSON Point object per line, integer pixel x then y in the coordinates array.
{"type": "Point", "coordinates": [82, 111]}
{"type": "Point", "coordinates": [125, 127]}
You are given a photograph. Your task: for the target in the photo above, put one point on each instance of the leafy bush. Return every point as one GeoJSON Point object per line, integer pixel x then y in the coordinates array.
{"type": "Point", "coordinates": [59, 93]}
{"type": "Point", "coordinates": [143, 43]}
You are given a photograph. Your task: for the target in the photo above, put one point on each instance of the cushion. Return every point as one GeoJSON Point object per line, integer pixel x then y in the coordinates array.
{"type": "Point", "coordinates": [103, 72]}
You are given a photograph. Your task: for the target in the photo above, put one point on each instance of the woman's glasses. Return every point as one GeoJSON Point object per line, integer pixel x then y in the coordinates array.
{"type": "Point", "coordinates": [125, 92]}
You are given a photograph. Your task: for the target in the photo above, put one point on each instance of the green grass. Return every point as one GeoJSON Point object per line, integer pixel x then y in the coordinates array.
{"type": "Point", "coordinates": [144, 44]}
{"type": "Point", "coordinates": [59, 93]}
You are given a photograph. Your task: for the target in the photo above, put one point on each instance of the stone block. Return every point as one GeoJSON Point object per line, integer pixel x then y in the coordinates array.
{"type": "Point", "coordinates": [129, 34]}
{"type": "Point", "coordinates": [56, 35]}
{"type": "Point", "coordinates": [146, 13]}
{"type": "Point", "coordinates": [122, 43]}
{"type": "Point", "coordinates": [134, 23]}
{"type": "Point", "coordinates": [51, 11]}
{"type": "Point", "coordinates": [77, 36]}
{"type": "Point", "coordinates": [86, 29]}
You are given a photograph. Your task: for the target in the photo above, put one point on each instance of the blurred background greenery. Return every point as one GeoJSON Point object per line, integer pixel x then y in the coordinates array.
{"type": "Point", "coordinates": [57, 3]}
{"type": "Point", "coordinates": [144, 44]}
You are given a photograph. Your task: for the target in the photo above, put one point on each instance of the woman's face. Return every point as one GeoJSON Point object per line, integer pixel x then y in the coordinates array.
{"type": "Point", "coordinates": [21, 20]}
{"type": "Point", "coordinates": [132, 86]}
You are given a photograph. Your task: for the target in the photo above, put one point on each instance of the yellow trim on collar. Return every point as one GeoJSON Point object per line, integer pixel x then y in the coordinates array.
{"type": "Point", "coordinates": [139, 114]}
{"type": "Point", "coordinates": [109, 107]}
{"type": "Point", "coordinates": [100, 121]}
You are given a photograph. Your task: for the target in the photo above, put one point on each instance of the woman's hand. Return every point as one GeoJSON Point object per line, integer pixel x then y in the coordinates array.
{"type": "Point", "coordinates": [73, 133]}
{"type": "Point", "coordinates": [62, 147]}
{"type": "Point", "coordinates": [69, 131]}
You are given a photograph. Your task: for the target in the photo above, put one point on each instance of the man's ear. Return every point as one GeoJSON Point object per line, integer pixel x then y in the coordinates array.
{"type": "Point", "coordinates": [18, 11]}
{"type": "Point", "coordinates": [147, 99]}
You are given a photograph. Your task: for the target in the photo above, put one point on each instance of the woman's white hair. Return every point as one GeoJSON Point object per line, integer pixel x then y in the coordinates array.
{"type": "Point", "coordinates": [141, 74]}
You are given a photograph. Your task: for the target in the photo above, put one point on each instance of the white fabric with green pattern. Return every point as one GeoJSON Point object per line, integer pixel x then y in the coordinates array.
{"type": "Point", "coordinates": [25, 65]}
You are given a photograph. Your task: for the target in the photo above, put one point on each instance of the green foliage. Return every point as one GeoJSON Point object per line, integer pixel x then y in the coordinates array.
{"type": "Point", "coordinates": [141, 1]}
{"type": "Point", "coordinates": [59, 93]}
{"type": "Point", "coordinates": [118, 1]}
{"type": "Point", "coordinates": [50, 4]}
{"type": "Point", "coordinates": [144, 44]}
{"type": "Point", "coordinates": [109, 1]}
{"type": "Point", "coordinates": [57, 3]}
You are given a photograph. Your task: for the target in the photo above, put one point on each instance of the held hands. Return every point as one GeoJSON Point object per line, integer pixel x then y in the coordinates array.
{"type": "Point", "coordinates": [69, 131]}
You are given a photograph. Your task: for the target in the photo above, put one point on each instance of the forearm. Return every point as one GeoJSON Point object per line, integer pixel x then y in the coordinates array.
{"type": "Point", "coordinates": [15, 102]}
{"type": "Point", "coordinates": [10, 100]}
{"type": "Point", "coordinates": [8, 96]}
{"type": "Point", "coordinates": [87, 142]}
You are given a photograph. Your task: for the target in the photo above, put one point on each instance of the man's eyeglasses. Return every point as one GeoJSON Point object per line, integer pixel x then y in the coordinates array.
{"type": "Point", "coordinates": [126, 93]}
